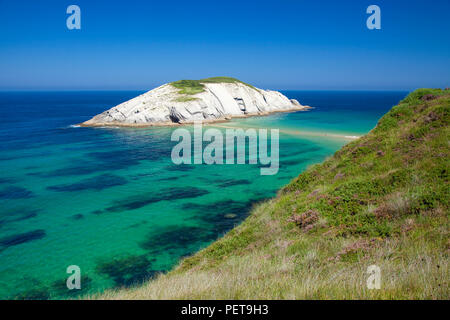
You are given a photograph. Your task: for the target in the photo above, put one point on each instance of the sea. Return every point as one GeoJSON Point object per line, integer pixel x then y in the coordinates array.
{"type": "Point", "coordinates": [111, 202]}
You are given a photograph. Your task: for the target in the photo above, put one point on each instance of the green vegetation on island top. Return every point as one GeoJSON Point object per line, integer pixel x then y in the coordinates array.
{"type": "Point", "coordinates": [380, 200]}
{"type": "Point", "coordinates": [192, 87]}
{"type": "Point", "coordinates": [185, 99]}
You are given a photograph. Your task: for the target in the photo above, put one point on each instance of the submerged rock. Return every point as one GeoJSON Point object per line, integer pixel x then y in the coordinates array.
{"type": "Point", "coordinates": [186, 101]}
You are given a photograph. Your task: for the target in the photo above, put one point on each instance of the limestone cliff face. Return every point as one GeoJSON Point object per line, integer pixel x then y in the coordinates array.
{"type": "Point", "coordinates": [218, 101]}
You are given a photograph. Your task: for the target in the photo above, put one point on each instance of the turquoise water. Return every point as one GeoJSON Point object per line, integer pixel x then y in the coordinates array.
{"type": "Point", "coordinates": [111, 201]}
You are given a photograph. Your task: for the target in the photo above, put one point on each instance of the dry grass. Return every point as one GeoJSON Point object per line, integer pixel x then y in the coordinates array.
{"type": "Point", "coordinates": [298, 268]}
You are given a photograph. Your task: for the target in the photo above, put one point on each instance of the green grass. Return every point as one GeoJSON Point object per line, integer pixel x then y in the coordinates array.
{"type": "Point", "coordinates": [192, 87]}
{"type": "Point", "coordinates": [382, 199]}
{"type": "Point", "coordinates": [185, 99]}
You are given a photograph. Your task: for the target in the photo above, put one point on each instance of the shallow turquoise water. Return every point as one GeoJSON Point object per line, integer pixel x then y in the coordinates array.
{"type": "Point", "coordinates": [112, 202]}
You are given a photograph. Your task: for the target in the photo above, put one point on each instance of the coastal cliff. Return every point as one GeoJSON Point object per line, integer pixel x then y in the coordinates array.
{"type": "Point", "coordinates": [381, 202]}
{"type": "Point", "coordinates": [186, 101]}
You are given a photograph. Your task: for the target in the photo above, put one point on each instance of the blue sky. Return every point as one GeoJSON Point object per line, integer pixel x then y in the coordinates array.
{"type": "Point", "coordinates": [279, 44]}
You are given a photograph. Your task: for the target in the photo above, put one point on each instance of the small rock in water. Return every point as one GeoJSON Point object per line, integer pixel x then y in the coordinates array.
{"type": "Point", "coordinates": [230, 215]}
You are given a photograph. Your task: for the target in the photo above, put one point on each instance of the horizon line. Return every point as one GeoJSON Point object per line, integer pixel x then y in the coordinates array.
{"type": "Point", "coordinates": [145, 90]}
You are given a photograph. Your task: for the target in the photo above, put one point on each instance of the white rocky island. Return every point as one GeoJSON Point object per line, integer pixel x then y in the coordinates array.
{"type": "Point", "coordinates": [186, 101]}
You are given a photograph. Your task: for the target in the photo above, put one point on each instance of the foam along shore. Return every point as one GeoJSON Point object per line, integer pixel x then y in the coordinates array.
{"type": "Point", "coordinates": [186, 101]}
{"type": "Point", "coordinates": [301, 133]}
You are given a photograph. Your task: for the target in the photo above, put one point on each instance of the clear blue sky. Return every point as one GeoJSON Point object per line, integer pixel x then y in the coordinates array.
{"type": "Point", "coordinates": [277, 44]}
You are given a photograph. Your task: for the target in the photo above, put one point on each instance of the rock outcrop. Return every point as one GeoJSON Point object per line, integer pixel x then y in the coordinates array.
{"type": "Point", "coordinates": [218, 101]}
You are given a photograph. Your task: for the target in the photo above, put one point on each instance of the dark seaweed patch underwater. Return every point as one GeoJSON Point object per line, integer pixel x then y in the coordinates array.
{"type": "Point", "coordinates": [20, 238]}
{"type": "Point", "coordinates": [169, 194]}
{"type": "Point", "coordinates": [13, 192]}
{"type": "Point", "coordinates": [127, 271]}
{"type": "Point", "coordinates": [98, 183]}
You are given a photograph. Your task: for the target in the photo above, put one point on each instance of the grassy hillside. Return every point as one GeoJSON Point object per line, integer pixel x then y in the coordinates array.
{"type": "Point", "coordinates": [382, 199]}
